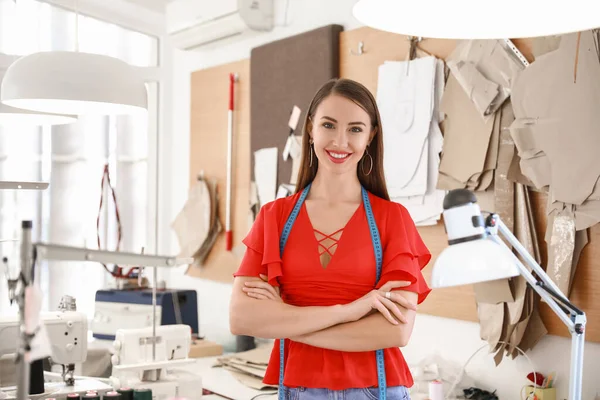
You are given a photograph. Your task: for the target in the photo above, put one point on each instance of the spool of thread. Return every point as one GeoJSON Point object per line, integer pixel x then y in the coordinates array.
{"type": "Point", "coordinates": [73, 396]}
{"type": "Point", "coordinates": [142, 394]}
{"type": "Point", "coordinates": [436, 390]}
{"type": "Point", "coordinates": [91, 396]}
{"type": "Point", "coordinates": [126, 393]}
{"type": "Point", "coordinates": [36, 377]}
{"type": "Point", "coordinates": [112, 395]}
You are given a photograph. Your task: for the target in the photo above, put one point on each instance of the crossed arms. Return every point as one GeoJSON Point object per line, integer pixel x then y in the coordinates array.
{"type": "Point", "coordinates": [381, 319]}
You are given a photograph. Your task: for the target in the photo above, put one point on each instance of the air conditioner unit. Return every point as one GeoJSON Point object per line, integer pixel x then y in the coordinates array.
{"type": "Point", "coordinates": [201, 24]}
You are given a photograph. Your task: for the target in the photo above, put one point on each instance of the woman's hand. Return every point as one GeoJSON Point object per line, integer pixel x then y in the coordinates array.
{"type": "Point", "coordinates": [262, 290]}
{"type": "Point", "coordinates": [381, 300]}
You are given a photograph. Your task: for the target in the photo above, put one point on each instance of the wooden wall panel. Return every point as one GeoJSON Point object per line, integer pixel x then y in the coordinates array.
{"type": "Point", "coordinates": [459, 302]}
{"type": "Point", "coordinates": [208, 153]}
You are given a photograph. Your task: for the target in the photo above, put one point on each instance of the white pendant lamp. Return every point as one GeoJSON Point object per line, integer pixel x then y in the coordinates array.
{"type": "Point", "coordinates": [64, 82]}
{"type": "Point", "coordinates": [11, 116]}
{"type": "Point", "coordinates": [478, 19]}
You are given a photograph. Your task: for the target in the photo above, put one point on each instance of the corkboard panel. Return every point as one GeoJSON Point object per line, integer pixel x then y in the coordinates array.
{"type": "Point", "coordinates": [459, 302]}
{"type": "Point", "coordinates": [208, 153]}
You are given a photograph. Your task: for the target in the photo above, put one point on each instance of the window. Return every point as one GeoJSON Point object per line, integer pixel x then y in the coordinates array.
{"type": "Point", "coordinates": [72, 157]}
{"type": "Point", "coordinates": [28, 26]}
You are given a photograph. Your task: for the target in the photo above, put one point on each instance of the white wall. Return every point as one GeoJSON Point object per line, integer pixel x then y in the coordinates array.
{"type": "Point", "coordinates": [452, 339]}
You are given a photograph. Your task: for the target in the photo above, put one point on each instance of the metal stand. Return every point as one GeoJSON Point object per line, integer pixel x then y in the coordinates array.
{"type": "Point", "coordinates": [18, 292]}
{"type": "Point", "coordinates": [26, 336]}
{"type": "Point", "coordinates": [7, 185]}
{"type": "Point", "coordinates": [570, 315]}
{"type": "Point", "coordinates": [30, 252]}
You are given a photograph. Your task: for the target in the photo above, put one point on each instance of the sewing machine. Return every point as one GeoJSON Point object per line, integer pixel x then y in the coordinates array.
{"type": "Point", "coordinates": [62, 337]}
{"type": "Point", "coordinates": [144, 360]}
{"type": "Point", "coordinates": [66, 333]}
{"type": "Point", "coordinates": [125, 309]}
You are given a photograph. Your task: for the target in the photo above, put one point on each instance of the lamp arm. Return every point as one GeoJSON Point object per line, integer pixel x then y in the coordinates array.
{"type": "Point", "coordinates": [529, 260]}
{"type": "Point", "coordinates": [564, 303]}
{"type": "Point", "coordinates": [551, 294]}
{"type": "Point", "coordinates": [495, 224]}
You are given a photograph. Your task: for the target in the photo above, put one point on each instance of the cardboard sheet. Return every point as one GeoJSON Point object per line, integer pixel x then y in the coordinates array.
{"type": "Point", "coordinates": [192, 224]}
{"type": "Point", "coordinates": [514, 171]}
{"type": "Point", "coordinates": [561, 104]}
{"type": "Point", "coordinates": [544, 44]}
{"type": "Point", "coordinates": [533, 162]}
{"type": "Point", "coordinates": [485, 70]}
{"type": "Point", "coordinates": [491, 320]}
{"type": "Point", "coordinates": [257, 356]}
{"type": "Point", "coordinates": [491, 156]}
{"type": "Point", "coordinates": [465, 132]}
{"type": "Point", "coordinates": [248, 367]}
{"type": "Point", "coordinates": [215, 226]}
{"type": "Point", "coordinates": [524, 231]}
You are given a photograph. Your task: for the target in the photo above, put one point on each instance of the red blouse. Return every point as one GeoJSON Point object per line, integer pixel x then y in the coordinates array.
{"type": "Point", "coordinates": [350, 274]}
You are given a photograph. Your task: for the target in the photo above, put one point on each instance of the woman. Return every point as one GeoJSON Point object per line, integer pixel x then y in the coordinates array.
{"type": "Point", "coordinates": [334, 250]}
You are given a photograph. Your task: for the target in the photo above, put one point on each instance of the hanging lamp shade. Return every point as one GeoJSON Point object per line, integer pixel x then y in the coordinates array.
{"type": "Point", "coordinates": [477, 19]}
{"type": "Point", "coordinates": [64, 82]}
{"type": "Point", "coordinates": [17, 116]}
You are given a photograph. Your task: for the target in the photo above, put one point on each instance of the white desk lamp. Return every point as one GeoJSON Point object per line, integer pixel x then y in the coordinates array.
{"type": "Point", "coordinates": [477, 254]}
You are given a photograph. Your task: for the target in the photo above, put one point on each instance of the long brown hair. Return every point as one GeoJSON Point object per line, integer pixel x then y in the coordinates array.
{"type": "Point", "coordinates": [374, 182]}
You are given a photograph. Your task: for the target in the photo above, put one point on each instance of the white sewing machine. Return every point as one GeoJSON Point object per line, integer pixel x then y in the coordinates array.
{"type": "Point", "coordinates": [63, 337]}
{"type": "Point", "coordinates": [135, 365]}
{"type": "Point", "coordinates": [65, 341]}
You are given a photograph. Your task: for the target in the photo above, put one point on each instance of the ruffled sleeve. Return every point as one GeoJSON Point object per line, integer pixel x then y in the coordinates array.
{"type": "Point", "coordinates": [404, 253]}
{"type": "Point", "coordinates": [262, 246]}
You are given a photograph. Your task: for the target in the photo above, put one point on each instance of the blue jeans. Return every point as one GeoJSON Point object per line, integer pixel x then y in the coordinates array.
{"type": "Point", "coordinates": [301, 393]}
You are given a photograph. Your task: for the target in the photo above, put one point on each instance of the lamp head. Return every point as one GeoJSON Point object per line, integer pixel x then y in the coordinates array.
{"type": "Point", "coordinates": [462, 217]}
{"type": "Point", "coordinates": [472, 256]}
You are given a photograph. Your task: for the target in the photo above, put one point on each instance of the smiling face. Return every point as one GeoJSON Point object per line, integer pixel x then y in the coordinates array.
{"type": "Point", "coordinates": [341, 120]}
{"type": "Point", "coordinates": [341, 131]}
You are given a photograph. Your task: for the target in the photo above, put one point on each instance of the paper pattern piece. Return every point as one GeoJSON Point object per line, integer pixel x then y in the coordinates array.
{"type": "Point", "coordinates": [562, 114]}
{"type": "Point", "coordinates": [248, 367]}
{"type": "Point", "coordinates": [485, 70]}
{"type": "Point", "coordinates": [556, 101]}
{"type": "Point", "coordinates": [409, 94]}
{"type": "Point", "coordinates": [265, 172]}
{"type": "Point", "coordinates": [405, 95]}
{"type": "Point", "coordinates": [193, 222]}
{"type": "Point", "coordinates": [465, 133]}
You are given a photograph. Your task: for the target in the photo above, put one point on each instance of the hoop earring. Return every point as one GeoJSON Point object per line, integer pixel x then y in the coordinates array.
{"type": "Point", "coordinates": [310, 150]}
{"type": "Point", "coordinates": [370, 162]}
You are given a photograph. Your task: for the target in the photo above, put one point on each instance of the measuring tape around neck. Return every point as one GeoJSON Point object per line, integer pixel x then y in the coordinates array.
{"type": "Point", "coordinates": [381, 380]}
